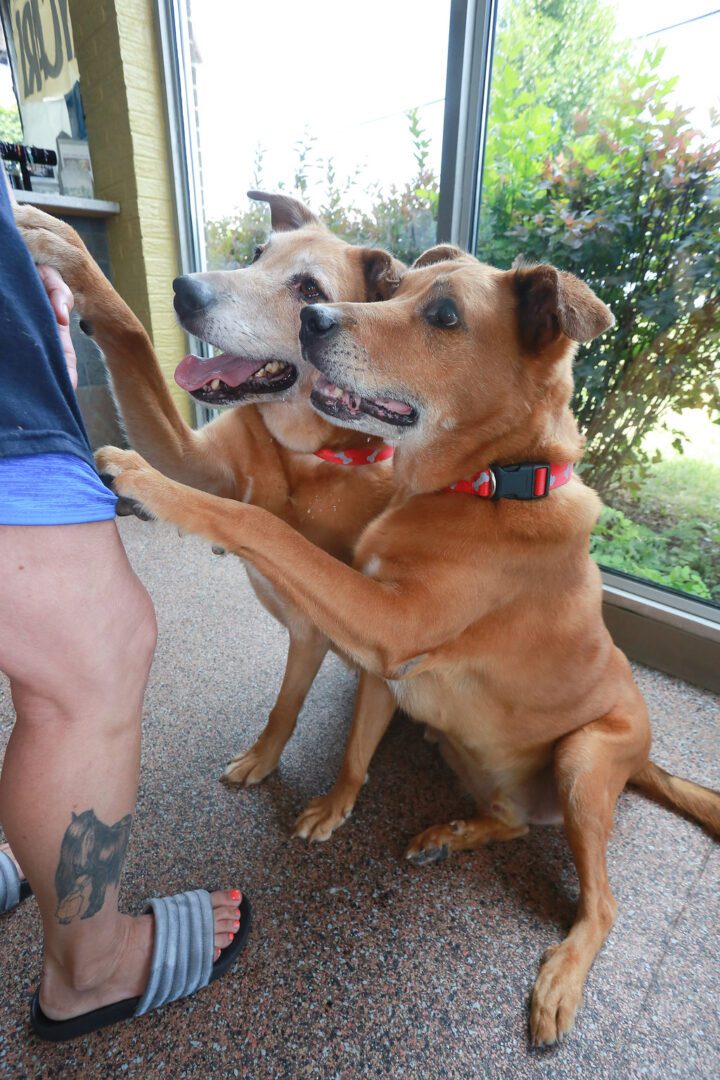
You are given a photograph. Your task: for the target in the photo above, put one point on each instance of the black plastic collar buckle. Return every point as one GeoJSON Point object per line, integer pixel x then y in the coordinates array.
{"type": "Point", "coordinates": [518, 481]}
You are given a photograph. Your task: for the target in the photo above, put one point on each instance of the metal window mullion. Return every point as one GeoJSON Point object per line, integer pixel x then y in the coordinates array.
{"type": "Point", "coordinates": [172, 25]}
{"type": "Point", "coordinates": [467, 98]}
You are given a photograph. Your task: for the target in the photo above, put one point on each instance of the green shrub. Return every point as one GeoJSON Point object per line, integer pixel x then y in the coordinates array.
{"type": "Point", "coordinates": [10, 125]}
{"type": "Point", "coordinates": [589, 166]}
{"type": "Point", "coordinates": [622, 544]}
{"type": "Point", "coordinates": [402, 218]}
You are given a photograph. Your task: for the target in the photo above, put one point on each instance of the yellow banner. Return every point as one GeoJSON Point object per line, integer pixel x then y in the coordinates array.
{"type": "Point", "coordinates": [44, 50]}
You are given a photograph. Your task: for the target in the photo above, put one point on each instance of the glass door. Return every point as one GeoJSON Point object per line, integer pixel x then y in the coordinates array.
{"type": "Point", "coordinates": [602, 157]}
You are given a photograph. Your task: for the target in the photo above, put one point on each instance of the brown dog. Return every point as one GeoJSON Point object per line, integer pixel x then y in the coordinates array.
{"type": "Point", "coordinates": [483, 614]}
{"type": "Point", "coordinates": [265, 452]}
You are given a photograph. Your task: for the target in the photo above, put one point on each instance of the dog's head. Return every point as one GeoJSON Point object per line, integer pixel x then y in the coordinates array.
{"type": "Point", "coordinates": [462, 350]}
{"type": "Point", "coordinates": [253, 314]}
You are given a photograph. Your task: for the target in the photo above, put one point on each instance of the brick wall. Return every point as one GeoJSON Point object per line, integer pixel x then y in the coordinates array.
{"type": "Point", "coordinates": [120, 82]}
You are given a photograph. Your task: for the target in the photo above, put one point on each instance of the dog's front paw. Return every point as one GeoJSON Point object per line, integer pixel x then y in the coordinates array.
{"type": "Point", "coordinates": [54, 243]}
{"type": "Point", "coordinates": [131, 475]}
{"type": "Point", "coordinates": [322, 816]}
{"type": "Point", "coordinates": [251, 766]}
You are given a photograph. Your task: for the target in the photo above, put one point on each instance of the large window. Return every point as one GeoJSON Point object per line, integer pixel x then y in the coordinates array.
{"type": "Point", "coordinates": [579, 132]}
{"type": "Point", "coordinates": [344, 108]}
{"type": "Point", "coordinates": [602, 157]}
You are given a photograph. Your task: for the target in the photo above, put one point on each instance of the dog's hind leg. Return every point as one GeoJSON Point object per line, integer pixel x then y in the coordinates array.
{"type": "Point", "coordinates": [592, 766]}
{"type": "Point", "coordinates": [437, 842]}
{"type": "Point", "coordinates": [374, 707]}
{"type": "Point", "coordinates": [306, 653]}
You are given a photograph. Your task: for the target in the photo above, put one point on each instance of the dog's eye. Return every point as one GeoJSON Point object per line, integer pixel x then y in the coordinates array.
{"type": "Point", "coordinates": [446, 314]}
{"type": "Point", "coordinates": [258, 252]}
{"type": "Point", "coordinates": [310, 290]}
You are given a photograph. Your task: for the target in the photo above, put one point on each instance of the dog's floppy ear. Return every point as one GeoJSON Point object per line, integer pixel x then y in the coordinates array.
{"type": "Point", "coordinates": [439, 253]}
{"type": "Point", "coordinates": [286, 213]}
{"type": "Point", "coordinates": [382, 273]}
{"type": "Point", "coordinates": [551, 302]}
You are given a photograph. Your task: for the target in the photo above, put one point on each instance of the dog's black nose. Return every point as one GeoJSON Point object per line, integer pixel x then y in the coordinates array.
{"type": "Point", "coordinates": [192, 295]}
{"type": "Point", "coordinates": [317, 321]}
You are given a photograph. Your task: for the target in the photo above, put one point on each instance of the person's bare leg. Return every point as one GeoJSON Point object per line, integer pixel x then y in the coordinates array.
{"type": "Point", "coordinates": [77, 636]}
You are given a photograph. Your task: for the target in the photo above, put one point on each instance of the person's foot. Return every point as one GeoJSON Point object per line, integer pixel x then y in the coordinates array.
{"type": "Point", "coordinates": [6, 849]}
{"type": "Point", "coordinates": [129, 972]}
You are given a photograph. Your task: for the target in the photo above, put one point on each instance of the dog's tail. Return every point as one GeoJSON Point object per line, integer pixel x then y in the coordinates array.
{"type": "Point", "coordinates": [698, 802]}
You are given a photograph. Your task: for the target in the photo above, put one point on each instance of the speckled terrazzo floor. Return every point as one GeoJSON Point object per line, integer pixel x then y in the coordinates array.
{"type": "Point", "coordinates": [360, 965]}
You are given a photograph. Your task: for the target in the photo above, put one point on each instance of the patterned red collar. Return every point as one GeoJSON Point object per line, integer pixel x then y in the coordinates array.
{"type": "Point", "coordinates": [526, 481]}
{"type": "Point", "coordinates": [361, 456]}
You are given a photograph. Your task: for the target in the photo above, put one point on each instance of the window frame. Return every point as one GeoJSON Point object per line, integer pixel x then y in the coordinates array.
{"type": "Point", "coordinates": [660, 628]}
{"type": "Point", "coordinates": [173, 32]}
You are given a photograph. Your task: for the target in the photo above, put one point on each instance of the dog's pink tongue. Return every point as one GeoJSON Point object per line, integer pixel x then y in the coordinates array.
{"type": "Point", "coordinates": [193, 372]}
{"type": "Point", "coordinates": [393, 406]}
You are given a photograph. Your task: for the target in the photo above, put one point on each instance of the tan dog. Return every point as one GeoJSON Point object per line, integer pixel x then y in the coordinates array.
{"type": "Point", "coordinates": [483, 614]}
{"type": "Point", "coordinates": [263, 453]}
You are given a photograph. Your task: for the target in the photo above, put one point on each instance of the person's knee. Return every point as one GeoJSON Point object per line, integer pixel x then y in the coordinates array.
{"type": "Point", "coordinates": [135, 636]}
{"type": "Point", "coordinates": [100, 673]}
{"type": "Point", "coordinates": [120, 662]}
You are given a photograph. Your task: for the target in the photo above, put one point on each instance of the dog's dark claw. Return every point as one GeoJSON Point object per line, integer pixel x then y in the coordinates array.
{"type": "Point", "coordinates": [130, 508]}
{"type": "Point", "coordinates": [125, 507]}
{"type": "Point", "coordinates": [429, 855]}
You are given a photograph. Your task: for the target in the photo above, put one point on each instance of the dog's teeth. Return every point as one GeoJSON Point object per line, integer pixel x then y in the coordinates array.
{"type": "Point", "coordinates": [337, 392]}
{"type": "Point", "coordinates": [215, 384]}
{"type": "Point", "coordinates": [261, 372]}
{"type": "Point", "coordinates": [272, 367]}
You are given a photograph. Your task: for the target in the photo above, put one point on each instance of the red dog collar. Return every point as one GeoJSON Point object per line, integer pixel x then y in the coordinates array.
{"type": "Point", "coordinates": [363, 456]}
{"type": "Point", "coordinates": [526, 481]}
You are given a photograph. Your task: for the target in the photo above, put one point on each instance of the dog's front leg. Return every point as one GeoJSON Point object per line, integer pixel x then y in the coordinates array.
{"type": "Point", "coordinates": [374, 707]}
{"type": "Point", "coordinates": [149, 413]}
{"type": "Point", "coordinates": [387, 627]}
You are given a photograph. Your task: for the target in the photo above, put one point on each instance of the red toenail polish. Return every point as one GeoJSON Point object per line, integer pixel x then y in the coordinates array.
{"type": "Point", "coordinates": [231, 936]}
{"type": "Point", "coordinates": [237, 924]}
{"type": "Point", "coordinates": [235, 894]}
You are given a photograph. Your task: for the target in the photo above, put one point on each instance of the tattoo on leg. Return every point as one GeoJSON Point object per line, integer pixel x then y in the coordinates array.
{"type": "Point", "coordinates": [91, 859]}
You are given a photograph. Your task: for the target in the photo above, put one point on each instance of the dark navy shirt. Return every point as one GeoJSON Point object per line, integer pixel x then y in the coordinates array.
{"type": "Point", "coordinates": [39, 413]}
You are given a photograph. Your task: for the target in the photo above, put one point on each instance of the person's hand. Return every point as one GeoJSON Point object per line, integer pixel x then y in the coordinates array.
{"type": "Point", "coordinates": [62, 302]}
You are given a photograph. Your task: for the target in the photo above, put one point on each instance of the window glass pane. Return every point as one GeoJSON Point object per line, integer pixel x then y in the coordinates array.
{"type": "Point", "coordinates": [602, 158]}
{"type": "Point", "coordinates": [10, 123]}
{"type": "Point", "coordinates": [338, 104]}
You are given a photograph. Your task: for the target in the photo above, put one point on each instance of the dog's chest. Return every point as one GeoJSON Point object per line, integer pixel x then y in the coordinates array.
{"type": "Point", "coordinates": [435, 698]}
{"type": "Point", "coordinates": [273, 601]}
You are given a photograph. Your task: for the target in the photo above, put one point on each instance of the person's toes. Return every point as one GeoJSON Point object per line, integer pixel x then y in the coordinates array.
{"type": "Point", "coordinates": [226, 898]}
{"type": "Point", "coordinates": [227, 917]}
{"type": "Point", "coordinates": [229, 924]}
{"type": "Point", "coordinates": [223, 939]}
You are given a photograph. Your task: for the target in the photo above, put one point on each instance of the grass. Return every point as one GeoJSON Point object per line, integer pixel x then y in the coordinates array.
{"type": "Point", "coordinates": [664, 524]}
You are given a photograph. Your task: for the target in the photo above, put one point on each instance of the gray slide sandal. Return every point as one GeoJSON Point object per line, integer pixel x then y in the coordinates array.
{"type": "Point", "coordinates": [182, 962]}
{"type": "Point", "coordinates": [13, 888]}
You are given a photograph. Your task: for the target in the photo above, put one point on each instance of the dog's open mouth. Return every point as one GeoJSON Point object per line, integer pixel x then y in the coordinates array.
{"type": "Point", "coordinates": [346, 404]}
{"type": "Point", "coordinates": [227, 379]}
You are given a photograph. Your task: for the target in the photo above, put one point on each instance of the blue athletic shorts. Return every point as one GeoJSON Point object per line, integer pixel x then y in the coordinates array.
{"type": "Point", "coordinates": [52, 489]}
